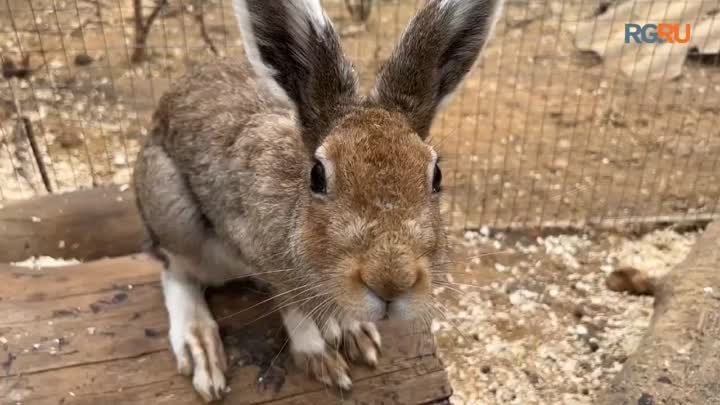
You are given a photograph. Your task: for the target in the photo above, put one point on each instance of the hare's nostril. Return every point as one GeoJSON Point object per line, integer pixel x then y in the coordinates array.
{"type": "Point", "coordinates": [388, 287]}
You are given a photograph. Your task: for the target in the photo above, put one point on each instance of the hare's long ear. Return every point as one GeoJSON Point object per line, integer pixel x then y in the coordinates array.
{"type": "Point", "coordinates": [435, 53]}
{"type": "Point", "coordinates": [296, 53]}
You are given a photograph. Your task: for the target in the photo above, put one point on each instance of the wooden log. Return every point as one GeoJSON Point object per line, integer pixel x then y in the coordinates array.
{"type": "Point", "coordinates": [95, 334]}
{"type": "Point", "coordinates": [83, 225]}
{"type": "Point", "coordinates": [678, 360]}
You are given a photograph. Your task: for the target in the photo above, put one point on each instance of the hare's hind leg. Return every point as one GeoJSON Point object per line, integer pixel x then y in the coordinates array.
{"type": "Point", "coordinates": [194, 335]}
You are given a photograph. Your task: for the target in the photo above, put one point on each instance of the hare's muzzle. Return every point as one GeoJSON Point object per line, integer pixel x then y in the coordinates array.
{"type": "Point", "coordinates": [394, 283]}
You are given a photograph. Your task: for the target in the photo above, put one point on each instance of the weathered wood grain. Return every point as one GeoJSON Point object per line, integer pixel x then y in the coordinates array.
{"type": "Point", "coordinates": [95, 334]}
{"type": "Point", "coordinates": [85, 225]}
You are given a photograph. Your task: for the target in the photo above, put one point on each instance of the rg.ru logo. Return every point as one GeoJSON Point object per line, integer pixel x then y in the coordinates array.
{"type": "Point", "coordinates": [657, 33]}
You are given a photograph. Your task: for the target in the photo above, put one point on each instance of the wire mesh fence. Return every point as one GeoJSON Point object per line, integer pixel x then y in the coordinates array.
{"type": "Point", "coordinates": [562, 122]}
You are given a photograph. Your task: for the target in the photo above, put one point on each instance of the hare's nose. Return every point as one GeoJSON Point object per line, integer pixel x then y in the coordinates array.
{"type": "Point", "coordinates": [389, 285]}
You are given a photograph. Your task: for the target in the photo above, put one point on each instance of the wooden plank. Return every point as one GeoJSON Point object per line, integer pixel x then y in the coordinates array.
{"type": "Point", "coordinates": [85, 225]}
{"type": "Point", "coordinates": [96, 334]}
{"type": "Point", "coordinates": [678, 361]}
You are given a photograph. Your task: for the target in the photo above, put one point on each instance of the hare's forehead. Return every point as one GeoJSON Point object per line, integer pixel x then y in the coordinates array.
{"type": "Point", "coordinates": [379, 153]}
{"type": "Point", "coordinates": [391, 180]}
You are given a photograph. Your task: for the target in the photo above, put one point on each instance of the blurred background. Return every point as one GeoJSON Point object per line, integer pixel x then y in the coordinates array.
{"type": "Point", "coordinates": [562, 123]}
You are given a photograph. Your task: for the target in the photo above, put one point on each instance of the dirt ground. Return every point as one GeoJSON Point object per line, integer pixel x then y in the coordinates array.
{"type": "Point", "coordinates": [540, 133]}
{"type": "Point", "coordinates": [530, 321]}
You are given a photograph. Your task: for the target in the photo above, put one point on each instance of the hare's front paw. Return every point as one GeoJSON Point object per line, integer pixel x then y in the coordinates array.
{"type": "Point", "coordinates": [199, 352]}
{"type": "Point", "coordinates": [358, 341]}
{"type": "Point", "coordinates": [312, 353]}
{"type": "Point", "coordinates": [194, 336]}
{"type": "Point", "coordinates": [325, 365]}
{"type": "Point", "coordinates": [320, 352]}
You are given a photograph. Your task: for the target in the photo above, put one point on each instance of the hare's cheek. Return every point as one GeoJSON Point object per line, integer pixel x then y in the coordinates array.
{"type": "Point", "coordinates": [354, 298]}
{"type": "Point", "coordinates": [375, 308]}
{"type": "Point", "coordinates": [362, 304]}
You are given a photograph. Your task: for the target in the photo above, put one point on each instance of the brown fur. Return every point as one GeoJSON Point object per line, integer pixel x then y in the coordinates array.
{"type": "Point", "coordinates": [379, 218]}
{"type": "Point", "coordinates": [223, 179]}
{"type": "Point", "coordinates": [223, 182]}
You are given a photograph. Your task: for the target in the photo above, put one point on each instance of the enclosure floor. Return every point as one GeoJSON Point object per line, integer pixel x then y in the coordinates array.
{"type": "Point", "coordinates": [532, 322]}
{"type": "Point", "coordinates": [97, 334]}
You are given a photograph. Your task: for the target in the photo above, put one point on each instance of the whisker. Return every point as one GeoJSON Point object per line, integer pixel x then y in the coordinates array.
{"type": "Point", "coordinates": [458, 272]}
{"type": "Point", "coordinates": [501, 252]}
{"type": "Point", "coordinates": [448, 320]}
{"type": "Point", "coordinates": [453, 289]}
{"type": "Point", "coordinates": [290, 333]}
{"type": "Point", "coordinates": [466, 259]}
{"type": "Point", "coordinates": [454, 283]}
{"type": "Point", "coordinates": [227, 280]}
{"type": "Point", "coordinates": [427, 317]}
{"type": "Point", "coordinates": [442, 140]}
{"type": "Point", "coordinates": [279, 308]}
{"type": "Point", "coordinates": [442, 264]}
{"type": "Point", "coordinates": [426, 252]}
{"type": "Point", "coordinates": [266, 300]}
{"type": "Point", "coordinates": [325, 319]}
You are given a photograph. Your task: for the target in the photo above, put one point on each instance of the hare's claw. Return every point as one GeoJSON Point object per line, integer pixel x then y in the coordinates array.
{"type": "Point", "coordinates": [361, 342]}
{"type": "Point", "coordinates": [311, 352]}
{"type": "Point", "coordinates": [209, 359]}
{"type": "Point", "coordinates": [194, 337]}
{"type": "Point", "coordinates": [326, 366]}
{"type": "Point", "coordinates": [325, 354]}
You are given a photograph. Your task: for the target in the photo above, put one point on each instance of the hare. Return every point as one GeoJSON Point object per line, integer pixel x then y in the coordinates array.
{"type": "Point", "coordinates": [277, 168]}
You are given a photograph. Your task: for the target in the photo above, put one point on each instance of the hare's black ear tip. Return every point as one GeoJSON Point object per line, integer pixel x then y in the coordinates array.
{"type": "Point", "coordinates": [297, 55]}
{"type": "Point", "coordinates": [407, 80]}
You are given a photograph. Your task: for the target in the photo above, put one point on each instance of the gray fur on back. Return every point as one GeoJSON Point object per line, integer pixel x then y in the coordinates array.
{"type": "Point", "coordinates": [223, 161]}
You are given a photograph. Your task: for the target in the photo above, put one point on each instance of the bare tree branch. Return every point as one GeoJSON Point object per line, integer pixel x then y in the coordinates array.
{"type": "Point", "coordinates": [199, 14]}
{"type": "Point", "coordinates": [24, 137]}
{"type": "Point", "coordinates": [143, 26]}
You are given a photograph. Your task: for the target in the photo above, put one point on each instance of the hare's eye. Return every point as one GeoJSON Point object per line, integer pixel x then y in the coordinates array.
{"type": "Point", "coordinates": [318, 184]}
{"type": "Point", "coordinates": [437, 180]}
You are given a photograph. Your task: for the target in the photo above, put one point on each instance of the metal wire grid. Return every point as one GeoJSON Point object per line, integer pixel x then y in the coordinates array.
{"type": "Point", "coordinates": [540, 135]}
